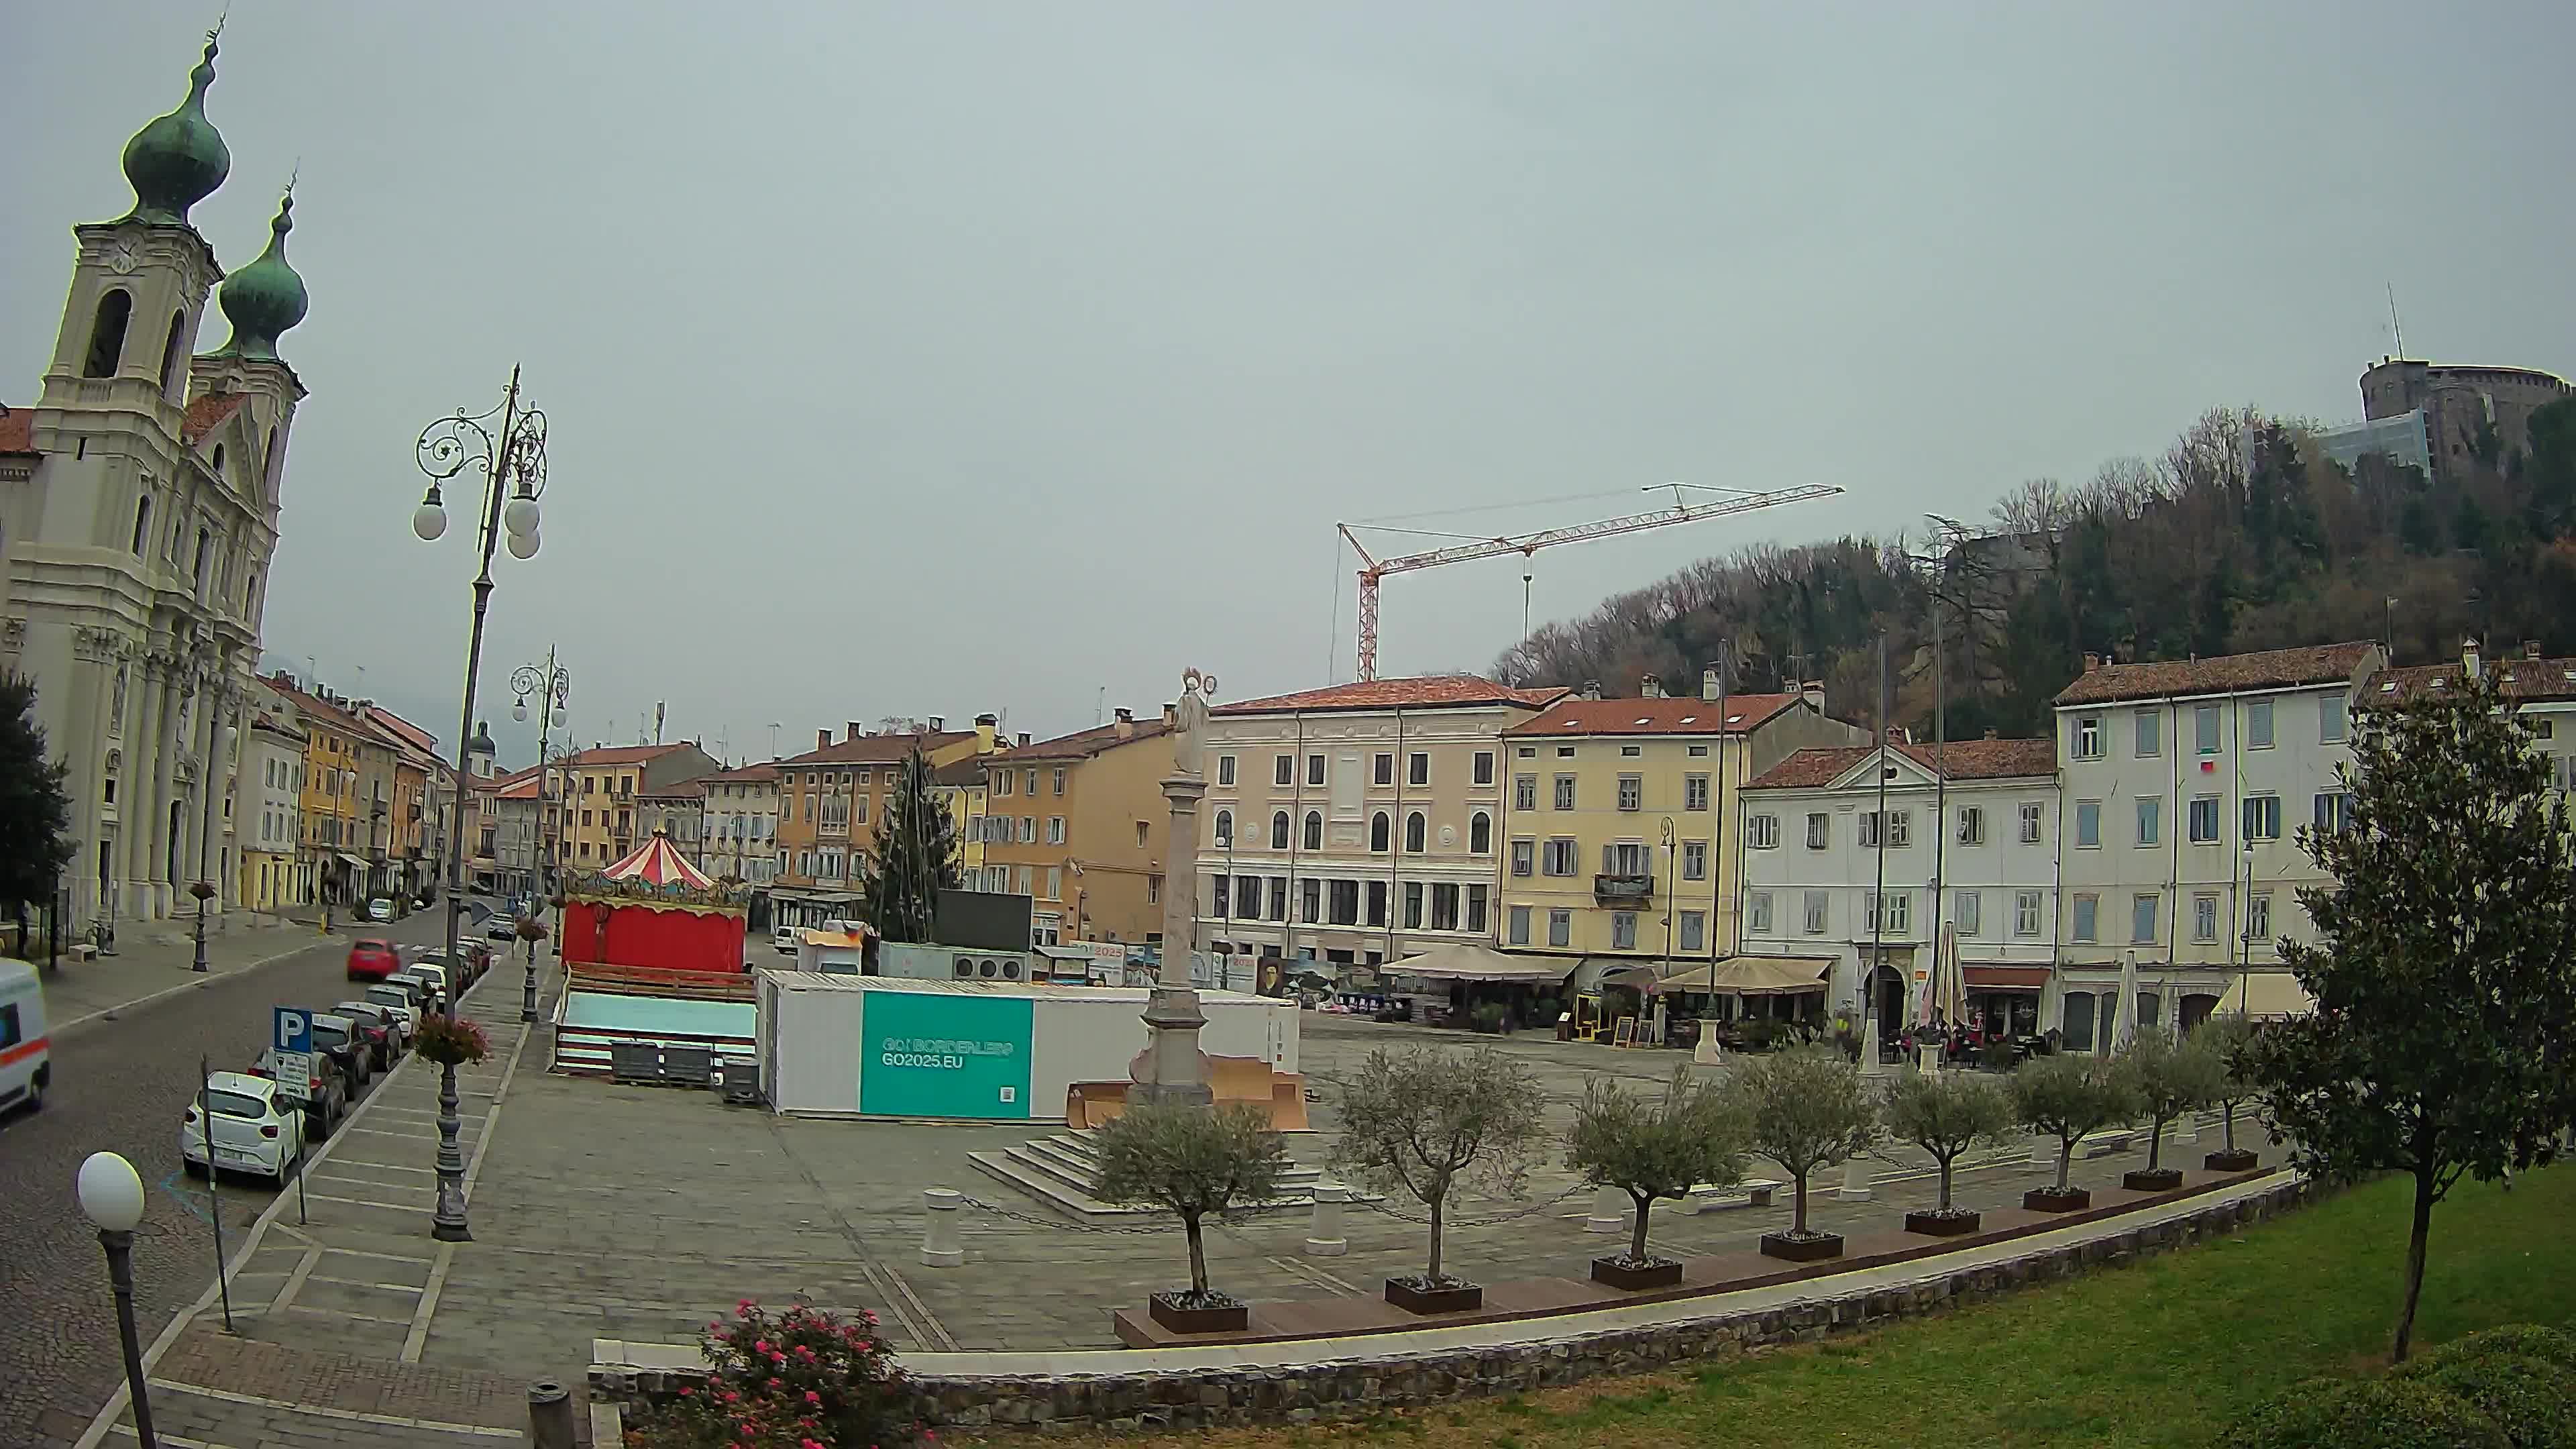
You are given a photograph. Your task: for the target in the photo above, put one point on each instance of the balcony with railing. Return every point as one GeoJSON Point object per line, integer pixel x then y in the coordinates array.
{"type": "Point", "coordinates": [1623, 888]}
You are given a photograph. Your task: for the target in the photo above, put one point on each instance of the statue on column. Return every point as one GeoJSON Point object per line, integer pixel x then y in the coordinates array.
{"type": "Point", "coordinates": [1189, 717]}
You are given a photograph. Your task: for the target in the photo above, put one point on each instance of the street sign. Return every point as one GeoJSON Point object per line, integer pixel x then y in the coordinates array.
{"type": "Point", "coordinates": [290, 1053]}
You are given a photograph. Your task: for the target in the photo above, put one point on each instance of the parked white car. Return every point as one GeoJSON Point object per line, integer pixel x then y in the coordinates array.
{"type": "Point", "coordinates": [253, 1130]}
{"type": "Point", "coordinates": [26, 1059]}
{"type": "Point", "coordinates": [398, 1000]}
{"type": "Point", "coordinates": [784, 939]}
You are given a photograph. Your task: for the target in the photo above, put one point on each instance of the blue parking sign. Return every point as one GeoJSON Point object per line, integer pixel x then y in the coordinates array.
{"type": "Point", "coordinates": [290, 1053]}
{"type": "Point", "coordinates": [294, 1030]}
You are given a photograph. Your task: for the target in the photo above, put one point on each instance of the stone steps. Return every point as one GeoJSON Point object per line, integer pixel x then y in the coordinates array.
{"type": "Point", "coordinates": [1060, 1171]}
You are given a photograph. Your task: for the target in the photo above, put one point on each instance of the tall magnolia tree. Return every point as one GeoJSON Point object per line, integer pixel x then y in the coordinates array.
{"type": "Point", "coordinates": [35, 815]}
{"type": "Point", "coordinates": [2443, 1043]}
{"type": "Point", "coordinates": [914, 857]}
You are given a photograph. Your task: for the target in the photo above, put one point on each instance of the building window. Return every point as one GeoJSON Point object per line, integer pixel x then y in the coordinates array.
{"type": "Point", "coordinates": [2204, 729]}
{"type": "Point", "coordinates": [2204, 917]}
{"type": "Point", "coordinates": [1314, 830]}
{"type": "Point", "coordinates": [1153, 890]}
{"type": "Point", "coordinates": [1476, 908]}
{"type": "Point", "coordinates": [2258, 916]}
{"type": "Point", "coordinates": [1565, 752]}
{"type": "Point", "coordinates": [1484, 774]}
{"type": "Point", "coordinates": [1524, 856]}
{"type": "Point", "coordinates": [1415, 829]}
{"type": "Point", "coordinates": [142, 523]}
{"type": "Point", "coordinates": [1898, 908]}
{"type": "Point", "coordinates": [1279, 830]}
{"type": "Point", "coordinates": [2262, 817]}
{"type": "Point", "coordinates": [2331, 724]}
{"type": "Point", "coordinates": [1632, 792]}
{"type": "Point", "coordinates": [1055, 882]}
{"type": "Point", "coordinates": [1346, 903]}
{"type": "Point", "coordinates": [1818, 911]}
{"type": "Point", "coordinates": [1757, 912]}
{"type": "Point", "coordinates": [1314, 769]}
{"type": "Point", "coordinates": [2151, 729]}
{"type": "Point", "coordinates": [1560, 927]}
{"type": "Point", "coordinates": [1284, 770]}
{"type": "Point", "coordinates": [1480, 834]}
{"type": "Point", "coordinates": [1382, 768]}
{"type": "Point", "coordinates": [2088, 823]}
{"type": "Point", "coordinates": [1694, 860]}
{"type": "Point", "coordinates": [2334, 811]}
{"type": "Point", "coordinates": [1310, 902]}
{"type": "Point", "coordinates": [1565, 792]}
{"type": "Point", "coordinates": [2031, 816]}
{"type": "Point", "coordinates": [2088, 737]}
{"type": "Point", "coordinates": [1377, 903]}
{"type": "Point", "coordinates": [1055, 830]}
{"type": "Point", "coordinates": [1559, 858]}
{"type": "Point", "coordinates": [1224, 827]}
{"type": "Point", "coordinates": [1379, 832]}
{"type": "Point", "coordinates": [1966, 908]}
{"type": "Point", "coordinates": [1525, 792]}
{"type": "Point", "coordinates": [1059, 779]}
{"type": "Point", "coordinates": [1972, 825]}
{"type": "Point", "coordinates": [1630, 752]}
{"type": "Point", "coordinates": [1028, 830]}
{"type": "Point", "coordinates": [2087, 925]}
{"type": "Point", "coordinates": [1413, 905]}
{"type": "Point", "coordinates": [107, 333]}
{"type": "Point", "coordinates": [1694, 792]}
{"type": "Point", "coordinates": [1820, 830]}
{"type": "Point", "coordinates": [1279, 898]}
{"type": "Point", "coordinates": [1762, 832]}
{"type": "Point", "coordinates": [2026, 913]}
{"type": "Point", "coordinates": [2258, 725]}
{"type": "Point", "coordinates": [2142, 919]}
{"type": "Point", "coordinates": [1900, 829]}
{"type": "Point", "coordinates": [1001, 782]}
{"type": "Point", "coordinates": [1225, 769]}
{"type": "Point", "coordinates": [2204, 819]}
{"type": "Point", "coordinates": [1623, 930]}
{"type": "Point", "coordinates": [1516, 927]}
{"type": "Point", "coordinates": [2151, 819]}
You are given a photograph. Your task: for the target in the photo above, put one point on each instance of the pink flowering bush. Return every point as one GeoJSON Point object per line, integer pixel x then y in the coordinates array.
{"type": "Point", "coordinates": [800, 1378]}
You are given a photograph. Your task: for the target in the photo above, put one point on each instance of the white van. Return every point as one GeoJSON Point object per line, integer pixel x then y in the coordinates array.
{"type": "Point", "coordinates": [26, 1060]}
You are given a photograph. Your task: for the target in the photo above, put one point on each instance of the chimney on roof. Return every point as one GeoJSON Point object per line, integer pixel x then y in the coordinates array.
{"type": "Point", "coordinates": [2092, 661]}
{"type": "Point", "coordinates": [855, 731]}
{"type": "Point", "coordinates": [987, 731]}
{"type": "Point", "coordinates": [1023, 739]}
{"type": "Point", "coordinates": [1592, 689]}
{"type": "Point", "coordinates": [939, 724]}
{"type": "Point", "coordinates": [1813, 692]}
{"type": "Point", "coordinates": [822, 739]}
{"type": "Point", "coordinates": [1708, 686]}
{"type": "Point", "coordinates": [2469, 657]}
{"type": "Point", "coordinates": [1649, 687]}
{"type": "Point", "coordinates": [2530, 648]}
{"type": "Point", "coordinates": [1126, 725]}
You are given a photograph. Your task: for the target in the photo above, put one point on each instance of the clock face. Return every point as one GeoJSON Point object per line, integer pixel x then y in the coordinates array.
{"type": "Point", "coordinates": [122, 258]}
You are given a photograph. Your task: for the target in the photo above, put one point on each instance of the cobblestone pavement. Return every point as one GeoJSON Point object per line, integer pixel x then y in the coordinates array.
{"type": "Point", "coordinates": [121, 1085]}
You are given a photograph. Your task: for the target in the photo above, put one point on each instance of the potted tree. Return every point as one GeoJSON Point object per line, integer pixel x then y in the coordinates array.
{"type": "Point", "coordinates": [2066, 1096]}
{"type": "Point", "coordinates": [2164, 1080]}
{"type": "Point", "coordinates": [2229, 1038]}
{"type": "Point", "coordinates": [1807, 1111]}
{"type": "Point", "coordinates": [1191, 1161]}
{"type": "Point", "coordinates": [1422, 1122]}
{"type": "Point", "coordinates": [1947, 1114]}
{"type": "Point", "coordinates": [1651, 1150]}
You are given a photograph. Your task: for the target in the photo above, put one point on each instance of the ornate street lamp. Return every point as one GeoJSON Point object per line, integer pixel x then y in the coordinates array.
{"type": "Point", "coordinates": [511, 455]}
{"type": "Point", "coordinates": [202, 892]}
{"type": "Point", "coordinates": [111, 1197]}
{"type": "Point", "coordinates": [551, 687]}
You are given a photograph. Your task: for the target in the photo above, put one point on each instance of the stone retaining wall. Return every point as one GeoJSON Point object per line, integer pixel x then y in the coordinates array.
{"type": "Point", "coordinates": [1353, 1386]}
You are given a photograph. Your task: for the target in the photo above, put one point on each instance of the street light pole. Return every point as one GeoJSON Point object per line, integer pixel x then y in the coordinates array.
{"type": "Point", "coordinates": [552, 687]}
{"type": "Point", "coordinates": [201, 891]}
{"type": "Point", "coordinates": [111, 1197]}
{"type": "Point", "coordinates": [515, 457]}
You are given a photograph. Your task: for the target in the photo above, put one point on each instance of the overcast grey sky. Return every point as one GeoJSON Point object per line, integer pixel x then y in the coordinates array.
{"type": "Point", "coordinates": [937, 358]}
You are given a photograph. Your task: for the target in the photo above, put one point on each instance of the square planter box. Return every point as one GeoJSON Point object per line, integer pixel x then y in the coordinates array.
{"type": "Point", "coordinates": [1802, 1250]}
{"type": "Point", "coordinates": [1659, 1273]}
{"type": "Point", "coordinates": [2162, 1179]}
{"type": "Point", "coordinates": [1462, 1298]}
{"type": "Point", "coordinates": [1940, 1225]}
{"type": "Point", "coordinates": [2047, 1200]}
{"type": "Point", "coordinates": [2238, 1161]}
{"type": "Point", "coordinates": [1223, 1318]}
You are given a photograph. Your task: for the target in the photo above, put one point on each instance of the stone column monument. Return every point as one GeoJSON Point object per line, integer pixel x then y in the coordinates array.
{"type": "Point", "coordinates": [1170, 1070]}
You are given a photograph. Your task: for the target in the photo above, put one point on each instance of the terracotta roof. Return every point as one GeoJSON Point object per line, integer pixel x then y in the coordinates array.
{"type": "Point", "coordinates": [686, 788]}
{"type": "Point", "coordinates": [524, 788]}
{"type": "Point", "coordinates": [620, 755]}
{"type": "Point", "coordinates": [2223, 674]}
{"type": "Point", "coordinates": [877, 749]}
{"type": "Point", "coordinates": [2518, 678]}
{"type": "Point", "coordinates": [313, 704]}
{"type": "Point", "coordinates": [1083, 744]}
{"type": "Point", "coordinates": [412, 734]}
{"type": "Point", "coordinates": [1429, 691]}
{"type": "Point", "coordinates": [1653, 716]}
{"type": "Point", "coordinates": [208, 413]}
{"type": "Point", "coordinates": [961, 774]}
{"type": "Point", "coordinates": [1959, 760]}
{"type": "Point", "coordinates": [17, 429]}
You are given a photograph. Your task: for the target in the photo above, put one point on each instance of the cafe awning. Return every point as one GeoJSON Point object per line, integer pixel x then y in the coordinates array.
{"type": "Point", "coordinates": [354, 862]}
{"type": "Point", "coordinates": [1736, 976]}
{"type": "Point", "coordinates": [2005, 978]}
{"type": "Point", "coordinates": [1464, 962]}
{"type": "Point", "coordinates": [2262, 994]}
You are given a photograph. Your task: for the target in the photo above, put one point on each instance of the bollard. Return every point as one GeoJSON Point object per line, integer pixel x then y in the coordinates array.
{"type": "Point", "coordinates": [549, 1415]}
{"type": "Point", "coordinates": [1324, 1239]}
{"type": "Point", "coordinates": [940, 1245]}
{"type": "Point", "coordinates": [1610, 1207]}
{"type": "Point", "coordinates": [2187, 1127]}
{"type": "Point", "coordinates": [1856, 1176]}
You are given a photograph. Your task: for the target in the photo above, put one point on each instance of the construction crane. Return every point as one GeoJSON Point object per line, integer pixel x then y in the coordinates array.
{"type": "Point", "coordinates": [1376, 569]}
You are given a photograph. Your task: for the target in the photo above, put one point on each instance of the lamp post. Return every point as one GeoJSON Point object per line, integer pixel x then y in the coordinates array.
{"type": "Point", "coordinates": [513, 464]}
{"type": "Point", "coordinates": [201, 891]}
{"type": "Point", "coordinates": [111, 1197]}
{"type": "Point", "coordinates": [552, 688]}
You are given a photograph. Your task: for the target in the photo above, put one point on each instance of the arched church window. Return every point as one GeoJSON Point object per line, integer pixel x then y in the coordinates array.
{"type": "Point", "coordinates": [107, 333]}
{"type": "Point", "coordinates": [219, 460]}
{"type": "Point", "coordinates": [142, 522]}
{"type": "Point", "coordinates": [170, 350]}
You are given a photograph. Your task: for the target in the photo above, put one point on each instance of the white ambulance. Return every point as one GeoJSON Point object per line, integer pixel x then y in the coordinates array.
{"type": "Point", "coordinates": [26, 1061]}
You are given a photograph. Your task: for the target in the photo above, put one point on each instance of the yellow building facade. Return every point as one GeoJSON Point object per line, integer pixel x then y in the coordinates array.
{"type": "Point", "coordinates": [1618, 819]}
{"type": "Point", "coordinates": [1079, 824]}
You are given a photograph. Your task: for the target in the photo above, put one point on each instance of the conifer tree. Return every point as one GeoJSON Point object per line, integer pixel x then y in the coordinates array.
{"type": "Point", "coordinates": [914, 857]}
{"type": "Point", "coordinates": [35, 814]}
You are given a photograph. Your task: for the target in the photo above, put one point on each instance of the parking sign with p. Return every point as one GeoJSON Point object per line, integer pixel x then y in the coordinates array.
{"type": "Point", "coordinates": [290, 1050]}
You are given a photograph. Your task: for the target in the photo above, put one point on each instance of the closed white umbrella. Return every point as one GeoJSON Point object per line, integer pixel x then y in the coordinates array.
{"type": "Point", "coordinates": [2124, 1013]}
{"type": "Point", "coordinates": [1950, 978]}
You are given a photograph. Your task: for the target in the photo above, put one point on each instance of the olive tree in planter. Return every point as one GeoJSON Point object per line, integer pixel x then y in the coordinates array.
{"type": "Point", "coordinates": [1653, 1149]}
{"type": "Point", "coordinates": [1807, 1110]}
{"type": "Point", "coordinates": [2165, 1079]}
{"type": "Point", "coordinates": [2066, 1096]}
{"type": "Point", "coordinates": [1423, 1121]}
{"type": "Point", "coordinates": [1947, 1115]}
{"type": "Point", "coordinates": [1191, 1161]}
{"type": "Point", "coordinates": [2229, 1038]}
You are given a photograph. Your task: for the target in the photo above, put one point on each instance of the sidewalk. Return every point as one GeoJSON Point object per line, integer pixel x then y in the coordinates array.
{"type": "Point", "coordinates": [361, 1275]}
{"type": "Point", "coordinates": [147, 964]}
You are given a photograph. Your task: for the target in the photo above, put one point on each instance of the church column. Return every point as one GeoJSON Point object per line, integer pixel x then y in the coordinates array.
{"type": "Point", "coordinates": [89, 730]}
{"type": "Point", "coordinates": [135, 807]}
{"type": "Point", "coordinates": [214, 783]}
{"type": "Point", "coordinates": [166, 833]}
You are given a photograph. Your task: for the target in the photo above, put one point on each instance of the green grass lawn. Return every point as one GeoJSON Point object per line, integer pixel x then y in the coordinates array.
{"type": "Point", "coordinates": [2163, 1352]}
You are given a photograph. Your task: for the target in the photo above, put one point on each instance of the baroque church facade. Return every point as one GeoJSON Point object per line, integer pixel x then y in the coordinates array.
{"type": "Point", "coordinates": [139, 502]}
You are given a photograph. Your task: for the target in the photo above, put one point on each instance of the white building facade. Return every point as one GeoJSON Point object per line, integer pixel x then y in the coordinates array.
{"type": "Point", "coordinates": [269, 814]}
{"type": "Point", "coordinates": [741, 826]}
{"type": "Point", "coordinates": [2184, 785]}
{"type": "Point", "coordinates": [1859, 857]}
{"type": "Point", "coordinates": [1307, 846]}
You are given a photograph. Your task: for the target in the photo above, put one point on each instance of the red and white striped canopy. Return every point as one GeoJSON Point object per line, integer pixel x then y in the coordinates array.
{"type": "Point", "coordinates": [655, 863]}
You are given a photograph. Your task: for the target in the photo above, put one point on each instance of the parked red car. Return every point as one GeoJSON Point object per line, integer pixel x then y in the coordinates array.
{"type": "Point", "coordinates": [372, 961]}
